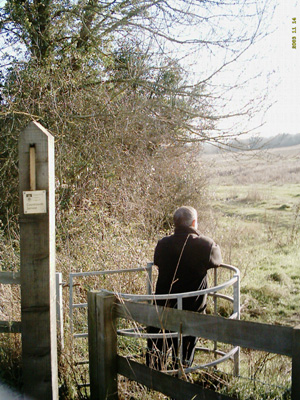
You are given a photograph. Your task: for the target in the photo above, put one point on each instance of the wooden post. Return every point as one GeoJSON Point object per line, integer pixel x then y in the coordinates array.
{"type": "Point", "coordinates": [32, 167]}
{"type": "Point", "coordinates": [102, 346]}
{"type": "Point", "coordinates": [296, 364]}
{"type": "Point", "coordinates": [37, 242]}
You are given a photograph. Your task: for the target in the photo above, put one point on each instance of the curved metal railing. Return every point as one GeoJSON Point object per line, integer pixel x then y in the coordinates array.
{"type": "Point", "coordinates": [213, 291]}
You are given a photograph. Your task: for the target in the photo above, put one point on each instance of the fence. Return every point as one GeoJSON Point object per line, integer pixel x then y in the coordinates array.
{"type": "Point", "coordinates": [235, 282]}
{"type": "Point", "coordinates": [105, 364]}
{"type": "Point", "coordinates": [76, 275]}
{"type": "Point", "coordinates": [10, 278]}
{"type": "Point", "coordinates": [214, 292]}
{"type": "Point", "coordinates": [13, 278]}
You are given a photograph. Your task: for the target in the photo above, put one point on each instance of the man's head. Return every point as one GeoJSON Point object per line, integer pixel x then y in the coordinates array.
{"type": "Point", "coordinates": [185, 216]}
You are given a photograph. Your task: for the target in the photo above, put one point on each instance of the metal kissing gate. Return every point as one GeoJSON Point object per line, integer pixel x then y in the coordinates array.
{"type": "Point", "coordinates": [214, 291]}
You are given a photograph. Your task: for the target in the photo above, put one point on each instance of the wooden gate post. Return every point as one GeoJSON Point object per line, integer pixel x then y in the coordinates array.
{"type": "Point", "coordinates": [102, 346]}
{"type": "Point", "coordinates": [296, 364]}
{"type": "Point", "coordinates": [37, 243]}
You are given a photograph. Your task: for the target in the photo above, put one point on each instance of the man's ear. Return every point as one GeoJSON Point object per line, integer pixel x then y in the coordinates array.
{"type": "Point", "coordinates": [194, 223]}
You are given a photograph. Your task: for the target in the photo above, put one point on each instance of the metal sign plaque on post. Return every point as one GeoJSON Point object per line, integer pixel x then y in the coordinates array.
{"type": "Point", "coordinates": [35, 202]}
{"type": "Point", "coordinates": [37, 251]}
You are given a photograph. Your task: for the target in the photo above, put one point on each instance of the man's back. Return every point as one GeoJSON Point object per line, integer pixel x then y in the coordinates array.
{"type": "Point", "coordinates": [183, 260]}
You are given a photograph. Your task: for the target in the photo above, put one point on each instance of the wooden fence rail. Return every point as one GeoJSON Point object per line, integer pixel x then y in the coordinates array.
{"type": "Point", "coordinates": [105, 364]}
{"type": "Point", "coordinates": [13, 278]}
{"type": "Point", "coordinates": [10, 278]}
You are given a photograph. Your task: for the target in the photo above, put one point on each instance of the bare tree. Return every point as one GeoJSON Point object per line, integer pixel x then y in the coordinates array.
{"type": "Point", "coordinates": [112, 80]}
{"type": "Point", "coordinates": [213, 35]}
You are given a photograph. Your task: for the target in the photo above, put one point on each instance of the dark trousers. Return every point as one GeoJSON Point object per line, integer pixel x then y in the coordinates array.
{"type": "Point", "coordinates": [158, 351]}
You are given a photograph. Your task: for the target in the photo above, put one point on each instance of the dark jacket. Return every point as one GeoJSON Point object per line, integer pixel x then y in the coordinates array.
{"type": "Point", "coordinates": [183, 260]}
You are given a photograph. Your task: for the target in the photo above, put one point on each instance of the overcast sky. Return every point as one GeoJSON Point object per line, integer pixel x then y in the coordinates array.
{"type": "Point", "coordinates": [284, 116]}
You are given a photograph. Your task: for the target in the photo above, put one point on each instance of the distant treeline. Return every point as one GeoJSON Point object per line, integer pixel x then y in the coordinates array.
{"type": "Point", "coordinates": [255, 143]}
{"type": "Point", "coordinates": [283, 140]}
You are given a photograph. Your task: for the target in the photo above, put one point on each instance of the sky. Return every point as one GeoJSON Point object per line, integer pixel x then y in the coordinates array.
{"type": "Point", "coordinates": [276, 59]}
{"type": "Point", "coordinates": [268, 73]}
{"type": "Point", "coordinates": [278, 55]}
{"type": "Point", "coordinates": [284, 60]}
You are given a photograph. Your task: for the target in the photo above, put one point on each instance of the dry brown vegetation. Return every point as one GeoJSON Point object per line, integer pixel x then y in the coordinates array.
{"type": "Point", "coordinates": [246, 216]}
{"type": "Point", "coordinates": [270, 166]}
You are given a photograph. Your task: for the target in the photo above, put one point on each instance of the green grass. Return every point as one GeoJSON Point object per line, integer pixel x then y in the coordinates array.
{"type": "Point", "coordinates": [255, 217]}
{"type": "Point", "coordinates": [267, 204]}
{"type": "Point", "coordinates": [259, 228]}
{"type": "Point", "coordinates": [255, 198]}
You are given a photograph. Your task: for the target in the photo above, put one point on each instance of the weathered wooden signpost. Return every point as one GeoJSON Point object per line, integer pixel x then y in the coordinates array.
{"type": "Point", "coordinates": [37, 242]}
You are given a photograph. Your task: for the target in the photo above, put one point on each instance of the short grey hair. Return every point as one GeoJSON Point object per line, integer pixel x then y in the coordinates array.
{"type": "Point", "coordinates": [184, 216]}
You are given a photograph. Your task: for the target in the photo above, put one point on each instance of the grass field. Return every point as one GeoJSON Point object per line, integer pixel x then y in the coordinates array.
{"type": "Point", "coordinates": [256, 203]}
